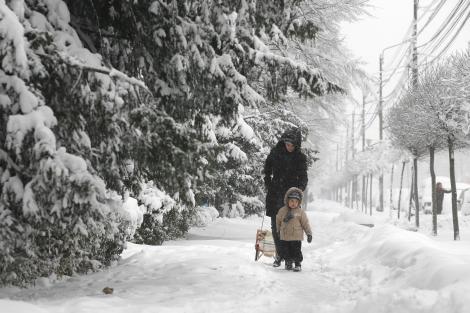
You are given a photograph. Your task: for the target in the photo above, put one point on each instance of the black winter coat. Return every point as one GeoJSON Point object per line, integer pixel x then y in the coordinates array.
{"type": "Point", "coordinates": [440, 198]}
{"type": "Point", "coordinates": [283, 170]}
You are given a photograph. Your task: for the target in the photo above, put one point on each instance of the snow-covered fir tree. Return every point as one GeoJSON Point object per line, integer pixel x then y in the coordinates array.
{"type": "Point", "coordinates": [56, 95]}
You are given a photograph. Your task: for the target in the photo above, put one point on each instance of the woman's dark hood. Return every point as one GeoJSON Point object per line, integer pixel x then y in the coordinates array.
{"type": "Point", "coordinates": [292, 135]}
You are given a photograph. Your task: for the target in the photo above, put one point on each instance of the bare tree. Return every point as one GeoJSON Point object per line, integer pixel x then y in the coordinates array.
{"type": "Point", "coordinates": [401, 185]}
{"type": "Point", "coordinates": [442, 89]}
{"type": "Point", "coordinates": [432, 117]}
{"type": "Point", "coordinates": [427, 96]}
{"type": "Point", "coordinates": [406, 131]}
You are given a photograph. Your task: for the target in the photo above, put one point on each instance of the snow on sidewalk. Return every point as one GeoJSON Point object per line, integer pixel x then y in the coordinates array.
{"type": "Point", "coordinates": [347, 268]}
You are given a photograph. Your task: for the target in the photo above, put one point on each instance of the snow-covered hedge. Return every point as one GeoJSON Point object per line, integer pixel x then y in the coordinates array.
{"type": "Point", "coordinates": [164, 218]}
{"type": "Point", "coordinates": [58, 223]}
{"type": "Point", "coordinates": [56, 217]}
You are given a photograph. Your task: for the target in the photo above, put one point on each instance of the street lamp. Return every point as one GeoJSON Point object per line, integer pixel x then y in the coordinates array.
{"type": "Point", "coordinates": [415, 82]}
{"type": "Point", "coordinates": [380, 109]}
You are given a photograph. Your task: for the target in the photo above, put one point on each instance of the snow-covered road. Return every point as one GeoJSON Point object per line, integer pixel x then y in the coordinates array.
{"type": "Point", "coordinates": [347, 268]}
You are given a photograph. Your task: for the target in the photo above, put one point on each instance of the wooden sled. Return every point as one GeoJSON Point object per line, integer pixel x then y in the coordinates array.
{"type": "Point", "coordinates": [264, 244]}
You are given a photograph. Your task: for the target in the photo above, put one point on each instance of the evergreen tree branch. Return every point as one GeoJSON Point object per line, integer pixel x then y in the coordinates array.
{"type": "Point", "coordinates": [84, 37]}
{"type": "Point", "coordinates": [69, 61]}
{"type": "Point", "coordinates": [4, 156]}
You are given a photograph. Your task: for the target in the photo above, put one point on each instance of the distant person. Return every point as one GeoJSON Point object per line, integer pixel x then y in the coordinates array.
{"type": "Point", "coordinates": [440, 196]}
{"type": "Point", "coordinates": [292, 222]}
{"type": "Point", "coordinates": [285, 167]}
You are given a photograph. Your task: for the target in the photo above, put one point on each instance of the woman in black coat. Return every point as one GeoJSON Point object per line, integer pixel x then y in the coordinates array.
{"type": "Point", "coordinates": [285, 167]}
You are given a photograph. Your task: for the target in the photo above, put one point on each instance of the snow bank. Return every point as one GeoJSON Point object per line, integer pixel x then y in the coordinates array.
{"type": "Point", "coordinates": [408, 272]}
{"type": "Point", "coordinates": [355, 217]}
{"type": "Point", "coordinates": [19, 306]}
{"type": "Point", "coordinates": [327, 206]}
{"type": "Point", "coordinates": [388, 268]}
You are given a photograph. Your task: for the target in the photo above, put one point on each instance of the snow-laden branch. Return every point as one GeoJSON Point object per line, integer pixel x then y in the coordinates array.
{"type": "Point", "coordinates": [111, 72]}
{"type": "Point", "coordinates": [4, 156]}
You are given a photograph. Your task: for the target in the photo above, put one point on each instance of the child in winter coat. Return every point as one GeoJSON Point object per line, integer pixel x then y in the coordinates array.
{"type": "Point", "coordinates": [292, 222]}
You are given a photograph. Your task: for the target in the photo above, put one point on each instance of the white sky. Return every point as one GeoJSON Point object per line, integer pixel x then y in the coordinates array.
{"type": "Point", "coordinates": [388, 25]}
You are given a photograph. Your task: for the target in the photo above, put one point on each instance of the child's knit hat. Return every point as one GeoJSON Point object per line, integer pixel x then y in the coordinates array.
{"type": "Point", "coordinates": [294, 195]}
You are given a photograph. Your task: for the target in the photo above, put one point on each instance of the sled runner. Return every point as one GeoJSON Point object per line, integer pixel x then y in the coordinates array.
{"type": "Point", "coordinates": [264, 244]}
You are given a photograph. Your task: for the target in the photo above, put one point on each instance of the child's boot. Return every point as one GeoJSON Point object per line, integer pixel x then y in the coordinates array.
{"type": "Point", "coordinates": [297, 267]}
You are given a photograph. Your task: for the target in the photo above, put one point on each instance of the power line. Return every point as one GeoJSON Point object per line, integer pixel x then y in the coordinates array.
{"type": "Point", "coordinates": [444, 24]}
{"type": "Point", "coordinates": [451, 28]}
{"type": "Point", "coordinates": [403, 80]}
{"type": "Point", "coordinates": [451, 40]}
{"type": "Point", "coordinates": [450, 23]}
{"type": "Point", "coordinates": [388, 79]}
{"type": "Point", "coordinates": [433, 14]}
{"type": "Point", "coordinates": [408, 32]}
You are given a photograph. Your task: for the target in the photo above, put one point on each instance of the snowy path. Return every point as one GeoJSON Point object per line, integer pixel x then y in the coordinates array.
{"type": "Point", "coordinates": [347, 268]}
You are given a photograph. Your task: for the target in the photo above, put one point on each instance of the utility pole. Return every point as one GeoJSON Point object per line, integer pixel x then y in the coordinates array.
{"type": "Point", "coordinates": [347, 143]}
{"type": "Point", "coordinates": [354, 183]}
{"type": "Point", "coordinates": [364, 191]}
{"type": "Point", "coordinates": [352, 135]}
{"type": "Point", "coordinates": [381, 177]}
{"type": "Point", "coordinates": [414, 83]}
{"type": "Point", "coordinates": [338, 167]}
{"type": "Point", "coordinates": [414, 70]}
{"type": "Point", "coordinates": [363, 122]}
{"type": "Point", "coordinates": [347, 193]}
{"type": "Point", "coordinates": [337, 170]}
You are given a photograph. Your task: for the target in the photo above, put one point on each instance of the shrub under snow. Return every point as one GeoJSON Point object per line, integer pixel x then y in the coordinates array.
{"type": "Point", "coordinates": [164, 218]}
{"type": "Point", "coordinates": [204, 215]}
{"type": "Point", "coordinates": [55, 215]}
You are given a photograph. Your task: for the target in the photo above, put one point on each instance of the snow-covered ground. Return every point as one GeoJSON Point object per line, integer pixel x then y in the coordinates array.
{"type": "Point", "coordinates": [347, 268]}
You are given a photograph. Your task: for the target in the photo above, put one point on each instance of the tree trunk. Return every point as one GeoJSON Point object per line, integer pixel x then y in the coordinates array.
{"type": "Point", "coordinates": [415, 162]}
{"type": "Point", "coordinates": [411, 192]}
{"type": "Point", "coordinates": [391, 191]}
{"type": "Point", "coordinates": [364, 194]}
{"type": "Point", "coordinates": [433, 191]}
{"type": "Point", "coordinates": [370, 196]}
{"type": "Point", "coordinates": [340, 194]}
{"type": "Point", "coordinates": [455, 217]}
{"type": "Point", "coordinates": [401, 186]}
{"type": "Point", "coordinates": [351, 193]}
{"type": "Point", "coordinates": [356, 192]}
{"type": "Point", "coordinates": [381, 192]}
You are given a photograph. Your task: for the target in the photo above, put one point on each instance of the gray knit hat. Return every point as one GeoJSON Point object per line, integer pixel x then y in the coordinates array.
{"type": "Point", "coordinates": [295, 195]}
